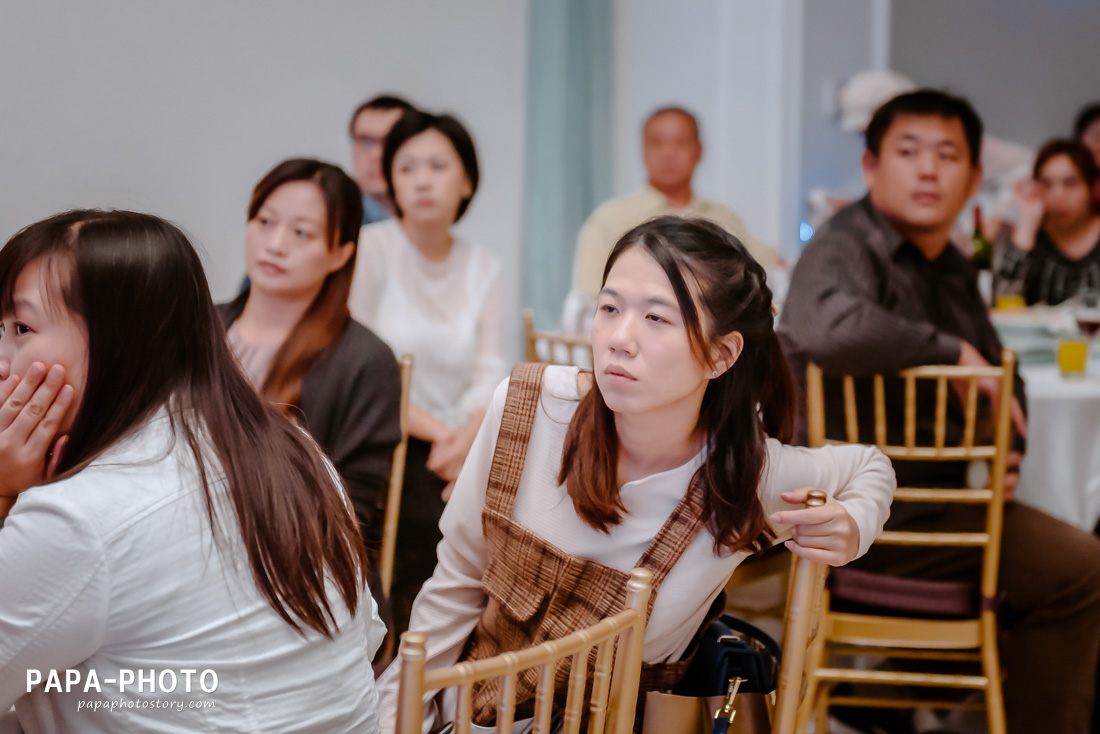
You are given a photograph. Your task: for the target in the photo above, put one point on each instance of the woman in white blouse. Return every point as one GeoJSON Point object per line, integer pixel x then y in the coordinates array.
{"type": "Point", "coordinates": [432, 294]}
{"type": "Point", "coordinates": [668, 456]}
{"type": "Point", "coordinates": [186, 560]}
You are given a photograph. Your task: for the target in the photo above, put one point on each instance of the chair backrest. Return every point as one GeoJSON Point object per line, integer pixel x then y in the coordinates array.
{"type": "Point", "coordinates": [545, 346]}
{"type": "Point", "coordinates": [615, 676]}
{"type": "Point", "coordinates": [804, 595]}
{"type": "Point", "coordinates": [397, 476]}
{"type": "Point", "coordinates": [973, 445]}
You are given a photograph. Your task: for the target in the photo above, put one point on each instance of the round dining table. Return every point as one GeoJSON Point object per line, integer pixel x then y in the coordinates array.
{"type": "Point", "coordinates": [1060, 473]}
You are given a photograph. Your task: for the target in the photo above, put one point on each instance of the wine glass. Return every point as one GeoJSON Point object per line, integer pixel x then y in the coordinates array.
{"type": "Point", "coordinates": [1087, 311]}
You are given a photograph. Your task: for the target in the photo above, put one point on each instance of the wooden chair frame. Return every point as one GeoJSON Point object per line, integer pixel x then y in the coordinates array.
{"type": "Point", "coordinates": [773, 562]}
{"type": "Point", "coordinates": [614, 684]}
{"type": "Point", "coordinates": [920, 638]}
{"type": "Point", "coordinates": [555, 343]}
{"type": "Point", "coordinates": [805, 594]}
{"type": "Point", "coordinates": [397, 480]}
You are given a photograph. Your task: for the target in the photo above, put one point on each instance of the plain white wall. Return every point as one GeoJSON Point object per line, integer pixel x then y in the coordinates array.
{"type": "Point", "coordinates": [737, 65]}
{"type": "Point", "coordinates": [1026, 66]}
{"type": "Point", "coordinates": [179, 108]}
{"type": "Point", "coordinates": [840, 38]}
{"type": "Point", "coordinates": [664, 55]}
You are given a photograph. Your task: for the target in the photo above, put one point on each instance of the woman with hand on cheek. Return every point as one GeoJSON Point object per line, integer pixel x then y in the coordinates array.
{"type": "Point", "coordinates": [1054, 250]}
{"type": "Point", "coordinates": [32, 412]}
{"type": "Point", "coordinates": [433, 294]}
{"type": "Point", "coordinates": [186, 530]}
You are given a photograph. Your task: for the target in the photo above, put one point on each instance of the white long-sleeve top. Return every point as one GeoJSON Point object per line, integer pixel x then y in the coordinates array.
{"type": "Point", "coordinates": [451, 602]}
{"type": "Point", "coordinates": [115, 569]}
{"type": "Point", "coordinates": [445, 314]}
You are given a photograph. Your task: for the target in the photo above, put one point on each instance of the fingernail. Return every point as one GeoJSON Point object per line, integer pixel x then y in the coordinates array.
{"type": "Point", "coordinates": [57, 371]}
{"type": "Point", "coordinates": [774, 517]}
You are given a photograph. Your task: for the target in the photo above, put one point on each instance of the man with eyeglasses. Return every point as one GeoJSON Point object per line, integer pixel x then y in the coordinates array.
{"type": "Point", "coordinates": [370, 124]}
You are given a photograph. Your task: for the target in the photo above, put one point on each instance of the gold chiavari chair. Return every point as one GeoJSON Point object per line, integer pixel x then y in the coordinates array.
{"type": "Point", "coordinates": [772, 562]}
{"type": "Point", "coordinates": [397, 475]}
{"type": "Point", "coordinates": [805, 595]}
{"type": "Point", "coordinates": [615, 676]}
{"type": "Point", "coordinates": [545, 346]}
{"type": "Point", "coordinates": [969, 636]}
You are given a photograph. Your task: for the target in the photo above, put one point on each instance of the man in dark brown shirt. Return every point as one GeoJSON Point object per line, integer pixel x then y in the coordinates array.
{"type": "Point", "coordinates": [880, 289]}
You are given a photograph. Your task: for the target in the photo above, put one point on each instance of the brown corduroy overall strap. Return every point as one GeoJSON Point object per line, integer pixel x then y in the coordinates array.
{"type": "Point", "coordinates": [510, 452]}
{"type": "Point", "coordinates": [537, 592]}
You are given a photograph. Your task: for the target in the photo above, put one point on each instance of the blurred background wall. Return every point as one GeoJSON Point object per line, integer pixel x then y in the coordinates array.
{"type": "Point", "coordinates": [179, 108]}
{"type": "Point", "coordinates": [736, 65]}
{"type": "Point", "coordinates": [839, 38]}
{"type": "Point", "coordinates": [1027, 66]}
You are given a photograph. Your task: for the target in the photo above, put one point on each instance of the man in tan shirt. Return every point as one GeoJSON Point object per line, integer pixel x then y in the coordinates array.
{"type": "Point", "coordinates": [671, 149]}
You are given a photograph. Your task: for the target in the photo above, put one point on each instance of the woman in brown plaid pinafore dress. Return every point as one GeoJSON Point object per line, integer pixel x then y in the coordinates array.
{"type": "Point", "coordinates": [582, 484]}
{"type": "Point", "coordinates": [536, 592]}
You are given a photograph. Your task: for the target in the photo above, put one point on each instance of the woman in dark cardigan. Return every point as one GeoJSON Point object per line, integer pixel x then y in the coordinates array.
{"type": "Point", "coordinates": [1054, 250]}
{"type": "Point", "coordinates": [296, 341]}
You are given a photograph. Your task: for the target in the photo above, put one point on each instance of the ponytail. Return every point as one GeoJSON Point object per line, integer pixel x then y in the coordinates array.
{"type": "Point", "coordinates": [777, 395]}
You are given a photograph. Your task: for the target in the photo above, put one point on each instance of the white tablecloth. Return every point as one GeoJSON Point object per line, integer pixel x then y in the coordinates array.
{"type": "Point", "coordinates": [1061, 471]}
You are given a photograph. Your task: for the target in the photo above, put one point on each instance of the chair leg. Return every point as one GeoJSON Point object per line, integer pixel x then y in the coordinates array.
{"type": "Point", "coordinates": [821, 710]}
{"type": "Point", "coordinates": [994, 701]}
{"type": "Point", "coordinates": [995, 710]}
{"type": "Point", "coordinates": [818, 691]}
{"type": "Point", "coordinates": [991, 667]}
{"type": "Point", "coordinates": [805, 706]}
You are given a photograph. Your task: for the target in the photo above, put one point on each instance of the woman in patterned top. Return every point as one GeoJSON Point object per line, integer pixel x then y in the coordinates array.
{"type": "Point", "coordinates": [666, 456]}
{"type": "Point", "coordinates": [1054, 251]}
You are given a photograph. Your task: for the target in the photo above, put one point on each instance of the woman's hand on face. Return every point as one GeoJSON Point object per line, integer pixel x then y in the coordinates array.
{"type": "Point", "coordinates": [31, 410]}
{"type": "Point", "coordinates": [1029, 200]}
{"type": "Point", "coordinates": [826, 534]}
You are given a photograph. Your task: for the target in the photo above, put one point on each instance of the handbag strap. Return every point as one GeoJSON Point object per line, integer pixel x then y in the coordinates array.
{"type": "Point", "coordinates": [751, 630]}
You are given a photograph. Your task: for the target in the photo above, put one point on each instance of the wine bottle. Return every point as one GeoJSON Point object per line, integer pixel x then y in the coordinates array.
{"type": "Point", "coordinates": [982, 253]}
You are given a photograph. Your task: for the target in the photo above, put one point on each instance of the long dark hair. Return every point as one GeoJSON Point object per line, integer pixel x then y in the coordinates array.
{"type": "Point", "coordinates": [1079, 155]}
{"type": "Point", "coordinates": [751, 400]}
{"type": "Point", "coordinates": [155, 342]}
{"type": "Point", "coordinates": [327, 317]}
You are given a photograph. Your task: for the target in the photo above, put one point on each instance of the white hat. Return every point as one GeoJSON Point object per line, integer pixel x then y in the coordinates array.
{"type": "Point", "coordinates": [866, 92]}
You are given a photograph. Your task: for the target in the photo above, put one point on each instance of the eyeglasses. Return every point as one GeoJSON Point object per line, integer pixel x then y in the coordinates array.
{"type": "Point", "coordinates": [367, 142]}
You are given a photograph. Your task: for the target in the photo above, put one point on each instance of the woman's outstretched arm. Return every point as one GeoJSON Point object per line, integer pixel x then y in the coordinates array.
{"type": "Point", "coordinates": [860, 483]}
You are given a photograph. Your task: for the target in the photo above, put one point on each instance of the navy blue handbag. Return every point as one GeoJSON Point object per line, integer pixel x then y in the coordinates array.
{"type": "Point", "coordinates": [732, 648]}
